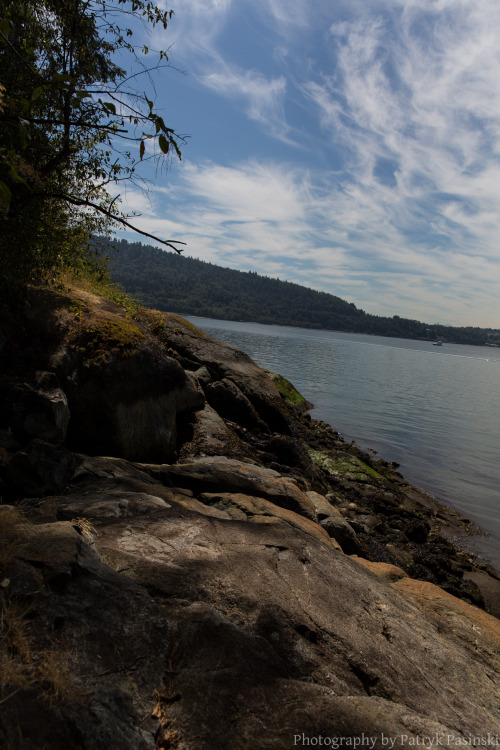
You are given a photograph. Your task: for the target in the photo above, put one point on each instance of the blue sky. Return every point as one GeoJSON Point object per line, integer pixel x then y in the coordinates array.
{"type": "Point", "coordinates": [353, 147]}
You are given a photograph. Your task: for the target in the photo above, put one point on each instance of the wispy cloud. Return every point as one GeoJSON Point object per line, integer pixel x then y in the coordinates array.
{"type": "Point", "coordinates": [263, 98]}
{"type": "Point", "coordinates": [197, 37]}
{"type": "Point", "coordinates": [285, 224]}
{"type": "Point", "coordinates": [393, 200]}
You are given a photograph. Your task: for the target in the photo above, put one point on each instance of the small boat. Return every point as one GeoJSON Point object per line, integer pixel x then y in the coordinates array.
{"type": "Point", "coordinates": [437, 343]}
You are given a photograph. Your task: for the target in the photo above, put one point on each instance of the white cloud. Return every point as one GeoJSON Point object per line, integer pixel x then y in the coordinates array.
{"type": "Point", "coordinates": [278, 222]}
{"type": "Point", "coordinates": [290, 13]}
{"type": "Point", "coordinates": [422, 91]}
{"type": "Point", "coordinates": [402, 217]}
{"type": "Point", "coordinates": [264, 97]}
{"type": "Point", "coordinates": [195, 36]}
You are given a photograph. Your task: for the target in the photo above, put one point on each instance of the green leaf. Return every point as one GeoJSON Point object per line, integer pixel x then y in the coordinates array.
{"type": "Point", "coordinates": [36, 93]}
{"type": "Point", "coordinates": [5, 194]}
{"type": "Point", "coordinates": [109, 107]}
{"type": "Point", "coordinates": [62, 79]}
{"type": "Point", "coordinates": [16, 176]}
{"type": "Point", "coordinates": [164, 144]}
{"type": "Point", "coordinates": [4, 28]}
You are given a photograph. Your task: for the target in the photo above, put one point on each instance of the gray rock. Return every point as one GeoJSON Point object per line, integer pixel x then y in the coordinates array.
{"type": "Point", "coordinates": [225, 361]}
{"type": "Point", "coordinates": [114, 503]}
{"type": "Point", "coordinates": [128, 406]}
{"type": "Point", "coordinates": [257, 510]}
{"type": "Point", "coordinates": [227, 399]}
{"type": "Point", "coordinates": [200, 607]}
{"type": "Point", "coordinates": [34, 408]}
{"type": "Point", "coordinates": [49, 418]}
{"type": "Point", "coordinates": [287, 636]}
{"type": "Point", "coordinates": [242, 634]}
{"type": "Point", "coordinates": [221, 474]}
{"type": "Point", "coordinates": [211, 436]}
{"type": "Point", "coordinates": [104, 642]}
{"type": "Point", "coordinates": [335, 524]}
{"type": "Point", "coordinates": [204, 377]}
{"type": "Point", "coordinates": [56, 548]}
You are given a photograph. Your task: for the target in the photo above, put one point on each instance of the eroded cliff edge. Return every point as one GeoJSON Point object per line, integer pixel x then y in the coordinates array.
{"type": "Point", "coordinates": [189, 561]}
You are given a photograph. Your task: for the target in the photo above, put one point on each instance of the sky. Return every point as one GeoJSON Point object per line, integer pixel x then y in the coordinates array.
{"type": "Point", "coordinates": [349, 146]}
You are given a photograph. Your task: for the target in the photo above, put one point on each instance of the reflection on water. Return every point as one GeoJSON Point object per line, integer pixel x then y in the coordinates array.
{"type": "Point", "coordinates": [434, 410]}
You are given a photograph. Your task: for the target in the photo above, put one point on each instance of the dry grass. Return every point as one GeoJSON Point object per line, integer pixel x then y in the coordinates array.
{"type": "Point", "coordinates": [53, 672]}
{"type": "Point", "coordinates": [49, 507]}
{"type": "Point", "coordinates": [22, 665]}
{"type": "Point", "coordinates": [15, 650]}
{"type": "Point", "coordinates": [14, 638]}
{"type": "Point", "coordinates": [87, 530]}
{"type": "Point", "coordinates": [11, 521]}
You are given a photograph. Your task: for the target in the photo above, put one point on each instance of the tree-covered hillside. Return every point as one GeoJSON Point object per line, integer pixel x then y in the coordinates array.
{"type": "Point", "coordinates": [174, 283]}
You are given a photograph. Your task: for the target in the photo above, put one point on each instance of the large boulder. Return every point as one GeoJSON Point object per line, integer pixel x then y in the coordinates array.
{"type": "Point", "coordinates": [129, 407]}
{"type": "Point", "coordinates": [124, 391]}
{"type": "Point", "coordinates": [225, 362]}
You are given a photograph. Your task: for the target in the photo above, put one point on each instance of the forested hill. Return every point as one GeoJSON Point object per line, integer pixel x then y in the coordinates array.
{"type": "Point", "coordinates": [174, 283]}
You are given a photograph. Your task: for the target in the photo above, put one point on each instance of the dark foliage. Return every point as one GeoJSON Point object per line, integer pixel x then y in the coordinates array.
{"type": "Point", "coordinates": [73, 126]}
{"type": "Point", "coordinates": [169, 282]}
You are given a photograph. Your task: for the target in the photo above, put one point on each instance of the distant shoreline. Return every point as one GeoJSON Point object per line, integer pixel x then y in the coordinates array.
{"type": "Point", "coordinates": [168, 282]}
{"type": "Point", "coordinates": [329, 330]}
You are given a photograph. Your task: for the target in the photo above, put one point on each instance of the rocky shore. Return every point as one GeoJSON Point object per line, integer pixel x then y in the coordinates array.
{"type": "Point", "coordinates": [188, 560]}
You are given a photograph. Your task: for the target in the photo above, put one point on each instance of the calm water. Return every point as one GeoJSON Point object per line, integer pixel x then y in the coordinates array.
{"type": "Point", "coordinates": [434, 410]}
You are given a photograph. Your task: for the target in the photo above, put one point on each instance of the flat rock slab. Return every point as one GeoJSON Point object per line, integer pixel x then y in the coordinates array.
{"type": "Point", "coordinates": [117, 503]}
{"type": "Point", "coordinates": [222, 474]}
{"type": "Point", "coordinates": [478, 629]}
{"type": "Point", "coordinates": [265, 616]}
{"type": "Point", "coordinates": [244, 634]}
{"type": "Point", "coordinates": [256, 509]}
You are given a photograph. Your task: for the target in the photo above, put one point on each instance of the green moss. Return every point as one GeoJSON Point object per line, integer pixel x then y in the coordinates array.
{"type": "Point", "coordinates": [162, 324]}
{"type": "Point", "coordinates": [111, 336]}
{"type": "Point", "coordinates": [186, 324]}
{"type": "Point", "coordinates": [113, 293]}
{"type": "Point", "coordinates": [288, 391]}
{"type": "Point", "coordinates": [345, 466]}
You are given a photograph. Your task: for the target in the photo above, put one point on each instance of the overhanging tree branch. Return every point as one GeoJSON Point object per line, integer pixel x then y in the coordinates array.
{"type": "Point", "coordinates": [74, 201]}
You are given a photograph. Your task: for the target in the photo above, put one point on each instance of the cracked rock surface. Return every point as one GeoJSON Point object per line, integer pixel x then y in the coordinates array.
{"type": "Point", "coordinates": [248, 580]}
